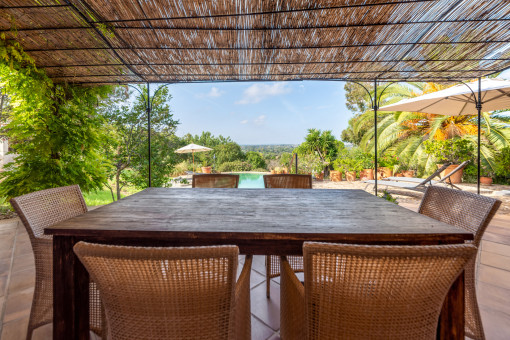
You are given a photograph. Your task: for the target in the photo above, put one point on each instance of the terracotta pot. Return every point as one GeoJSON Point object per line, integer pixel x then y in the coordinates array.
{"type": "Point", "coordinates": [206, 169]}
{"type": "Point", "coordinates": [486, 180]}
{"type": "Point", "coordinates": [384, 172]}
{"type": "Point", "coordinates": [319, 177]}
{"type": "Point", "coordinates": [408, 173]}
{"type": "Point", "coordinates": [456, 177]}
{"type": "Point", "coordinates": [284, 170]}
{"type": "Point", "coordinates": [399, 175]}
{"type": "Point", "coordinates": [367, 174]}
{"type": "Point", "coordinates": [350, 176]}
{"type": "Point", "coordinates": [273, 172]}
{"type": "Point", "coordinates": [336, 176]}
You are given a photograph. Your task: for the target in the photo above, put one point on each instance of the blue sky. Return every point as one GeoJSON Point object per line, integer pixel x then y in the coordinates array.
{"type": "Point", "coordinates": [260, 112]}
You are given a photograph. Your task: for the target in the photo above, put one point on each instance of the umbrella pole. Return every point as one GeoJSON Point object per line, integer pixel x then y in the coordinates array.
{"type": "Point", "coordinates": [479, 108]}
{"type": "Point", "coordinates": [193, 153]}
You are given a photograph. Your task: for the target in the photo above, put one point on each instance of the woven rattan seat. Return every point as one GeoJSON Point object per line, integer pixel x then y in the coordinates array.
{"type": "Point", "coordinates": [215, 181]}
{"type": "Point", "coordinates": [470, 212]}
{"type": "Point", "coordinates": [284, 181]}
{"type": "Point", "coordinates": [171, 293]}
{"type": "Point", "coordinates": [37, 211]}
{"type": "Point", "coordinates": [369, 292]}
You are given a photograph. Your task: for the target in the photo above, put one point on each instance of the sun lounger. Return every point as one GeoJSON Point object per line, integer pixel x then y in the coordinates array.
{"type": "Point", "coordinates": [420, 184]}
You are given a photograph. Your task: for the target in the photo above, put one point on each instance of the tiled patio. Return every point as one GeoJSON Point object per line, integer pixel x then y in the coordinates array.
{"type": "Point", "coordinates": [17, 280]}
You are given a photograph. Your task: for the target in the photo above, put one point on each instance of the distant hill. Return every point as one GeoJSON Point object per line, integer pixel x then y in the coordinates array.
{"type": "Point", "coordinates": [270, 149]}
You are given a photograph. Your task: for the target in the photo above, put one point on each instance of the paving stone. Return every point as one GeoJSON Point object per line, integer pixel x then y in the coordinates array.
{"type": "Point", "coordinates": [18, 305]}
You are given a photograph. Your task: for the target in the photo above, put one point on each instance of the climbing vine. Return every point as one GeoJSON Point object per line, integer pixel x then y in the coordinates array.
{"type": "Point", "coordinates": [54, 130]}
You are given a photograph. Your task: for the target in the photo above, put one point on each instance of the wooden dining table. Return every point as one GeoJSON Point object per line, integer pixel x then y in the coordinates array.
{"type": "Point", "coordinates": [259, 221]}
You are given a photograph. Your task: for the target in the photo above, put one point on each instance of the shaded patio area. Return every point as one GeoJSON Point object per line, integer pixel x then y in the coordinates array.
{"type": "Point", "coordinates": [17, 279]}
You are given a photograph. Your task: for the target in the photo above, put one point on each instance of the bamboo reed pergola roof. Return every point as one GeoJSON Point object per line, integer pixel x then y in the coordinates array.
{"type": "Point", "coordinates": [132, 41]}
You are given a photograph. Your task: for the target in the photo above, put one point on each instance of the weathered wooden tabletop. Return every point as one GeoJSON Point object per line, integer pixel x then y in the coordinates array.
{"type": "Point", "coordinates": [252, 214]}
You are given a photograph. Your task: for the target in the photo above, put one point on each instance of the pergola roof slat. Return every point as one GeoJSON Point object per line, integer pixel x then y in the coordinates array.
{"type": "Point", "coordinates": [112, 41]}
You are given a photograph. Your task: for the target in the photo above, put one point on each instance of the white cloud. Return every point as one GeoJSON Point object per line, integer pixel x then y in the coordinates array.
{"type": "Point", "coordinates": [213, 93]}
{"type": "Point", "coordinates": [260, 120]}
{"type": "Point", "coordinates": [244, 121]}
{"type": "Point", "coordinates": [258, 92]}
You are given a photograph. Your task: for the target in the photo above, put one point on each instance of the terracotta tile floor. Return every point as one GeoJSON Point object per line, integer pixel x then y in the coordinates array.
{"type": "Point", "coordinates": [17, 280]}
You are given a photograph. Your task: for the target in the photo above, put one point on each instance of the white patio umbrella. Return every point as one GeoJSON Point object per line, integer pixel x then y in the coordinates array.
{"type": "Point", "coordinates": [490, 94]}
{"type": "Point", "coordinates": [458, 100]}
{"type": "Point", "coordinates": [192, 148]}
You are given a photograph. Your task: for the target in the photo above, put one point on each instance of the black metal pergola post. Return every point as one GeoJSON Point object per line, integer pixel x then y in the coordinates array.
{"type": "Point", "coordinates": [479, 109]}
{"type": "Point", "coordinates": [478, 103]}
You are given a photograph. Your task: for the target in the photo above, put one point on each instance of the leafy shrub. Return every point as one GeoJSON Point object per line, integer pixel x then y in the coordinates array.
{"type": "Point", "coordinates": [309, 163]}
{"type": "Point", "coordinates": [470, 173]}
{"type": "Point", "coordinates": [181, 168]}
{"type": "Point", "coordinates": [234, 166]}
{"type": "Point", "coordinates": [387, 161]}
{"type": "Point", "coordinates": [455, 150]}
{"type": "Point", "coordinates": [365, 159]}
{"type": "Point", "coordinates": [503, 162]}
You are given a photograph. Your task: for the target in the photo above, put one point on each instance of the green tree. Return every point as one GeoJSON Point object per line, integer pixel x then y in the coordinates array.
{"type": "Point", "coordinates": [321, 142]}
{"type": "Point", "coordinates": [54, 129]}
{"type": "Point", "coordinates": [228, 152]}
{"type": "Point", "coordinates": [256, 160]}
{"type": "Point", "coordinates": [127, 147]}
{"type": "Point", "coordinates": [209, 140]}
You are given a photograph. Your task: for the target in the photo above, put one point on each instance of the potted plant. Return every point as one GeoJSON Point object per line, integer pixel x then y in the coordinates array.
{"type": "Point", "coordinates": [336, 174]}
{"type": "Point", "coordinates": [366, 165]}
{"type": "Point", "coordinates": [318, 169]}
{"type": "Point", "coordinates": [386, 163]}
{"type": "Point", "coordinates": [206, 169]}
{"type": "Point", "coordinates": [454, 150]}
{"type": "Point", "coordinates": [486, 175]}
{"type": "Point", "coordinates": [403, 169]}
{"type": "Point", "coordinates": [352, 166]}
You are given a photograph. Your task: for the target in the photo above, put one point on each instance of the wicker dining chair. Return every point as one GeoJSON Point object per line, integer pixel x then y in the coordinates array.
{"type": "Point", "coordinates": [284, 181]}
{"type": "Point", "coordinates": [37, 211]}
{"type": "Point", "coordinates": [171, 293]}
{"type": "Point", "coordinates": [215, 181]}
{"type": "Point", "coordinates": [472, 213]}
{"type": "Point", "coordinates": [288, 181]}
{"type": "Point", "coordinates": [369, 292]}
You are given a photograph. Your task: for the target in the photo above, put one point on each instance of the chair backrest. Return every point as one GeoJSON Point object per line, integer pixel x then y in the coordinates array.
{"type": "Point", "coordinates": [435, 174]}
{"type": "Point", "coordinates": [465, 210]}
{"type": "Point", "coordinates": [378, 292]}
{"type": "Point", "coordinates": [45, 208]}
{"type": "Point", "coordinates": [215, 181]}
{"type": "Point", "coordinates": [288, 181]}
{"type": "Point", "coordinates": [164, 293]}
{"type": "Point", "coordinates": [457, 169]}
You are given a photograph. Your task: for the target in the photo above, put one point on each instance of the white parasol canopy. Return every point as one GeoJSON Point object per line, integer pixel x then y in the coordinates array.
{"type": "Point", "coordinates": [458, 100]}
{"type": "Point", "coordinates": [192, 148]}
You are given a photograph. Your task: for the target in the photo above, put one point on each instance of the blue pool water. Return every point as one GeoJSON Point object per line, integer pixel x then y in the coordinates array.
{"type": "Point", "coordinates": [251, 180]}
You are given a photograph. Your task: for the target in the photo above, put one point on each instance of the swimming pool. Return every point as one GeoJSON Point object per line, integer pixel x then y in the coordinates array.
{"type": "Point", "coordinates": [247, 180]}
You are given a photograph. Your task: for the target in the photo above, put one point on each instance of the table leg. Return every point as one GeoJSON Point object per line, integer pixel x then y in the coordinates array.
{"type": "Point", "coordinates": [70, 292]}
{"type": "Point", "coordinates": [451, 321]}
